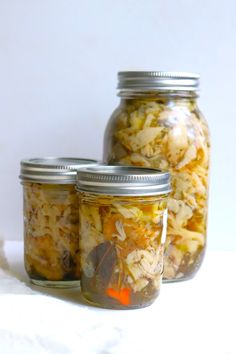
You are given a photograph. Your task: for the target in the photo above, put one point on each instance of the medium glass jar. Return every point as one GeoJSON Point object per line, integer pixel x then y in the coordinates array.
{"type": "Point", "coordinates": [51, 220]}
{"type": "Point", "coordinates": [158, 124]}
{"type": "Point", "coordinates": [123, 217]}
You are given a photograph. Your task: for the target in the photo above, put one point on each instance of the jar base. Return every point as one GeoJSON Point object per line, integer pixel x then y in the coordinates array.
{"type": "Point", "coordinates": [56, 284]}
{"type": "Point", "coordinates": [177, 280]}
{"type": "Point", "coordinates": [107, 306]}
{"type": "Point", "coordinates": [191, 271]}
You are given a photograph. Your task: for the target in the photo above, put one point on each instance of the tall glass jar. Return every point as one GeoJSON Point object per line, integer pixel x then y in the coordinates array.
{"type": "Point", "coordinates": [123, 216]}
{"type": "Point", "coordinates": [158, 124]}
{"type": "Point", "coordinates": [51, 220]}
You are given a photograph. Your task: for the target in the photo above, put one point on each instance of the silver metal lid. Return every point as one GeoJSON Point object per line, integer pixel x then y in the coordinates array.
{"type": "Point", "coordinates": [157, 80]}
{"type": "Point", "coordinates": [123, 180]}
{"type": "Point", "coordinates": [53, 170]}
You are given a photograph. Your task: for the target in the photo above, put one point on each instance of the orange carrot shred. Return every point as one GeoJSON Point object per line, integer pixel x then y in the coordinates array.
{"type": "Point", "coordinates": [123, 295]}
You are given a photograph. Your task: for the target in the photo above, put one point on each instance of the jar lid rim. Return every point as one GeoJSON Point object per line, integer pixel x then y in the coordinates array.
{"type": "Point", "coordinates": [158, 80]}
{"type": "Point", "coordinates": [176, 74]}
{"type": "Point", "coordinates": [123, 180]}
{"type": "Point", "coordinates": [52, 169]}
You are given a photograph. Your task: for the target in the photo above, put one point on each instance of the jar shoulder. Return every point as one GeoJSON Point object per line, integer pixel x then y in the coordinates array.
{"type": "Point", "coordinates": [155, 129]}
{"type": "Point", "coordinates": [146, 114]}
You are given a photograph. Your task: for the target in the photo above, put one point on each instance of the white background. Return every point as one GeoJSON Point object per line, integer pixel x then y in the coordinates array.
{"type": "Point", "coordinates": [58, 65]}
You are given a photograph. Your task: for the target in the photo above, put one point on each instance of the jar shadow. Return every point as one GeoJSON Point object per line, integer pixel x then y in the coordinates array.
{"type": "Point", "coordinates": [73, 295]}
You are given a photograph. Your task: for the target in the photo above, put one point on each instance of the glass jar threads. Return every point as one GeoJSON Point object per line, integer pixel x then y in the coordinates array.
{"type": "Point", "coordinates": [123, 216]}
{"type": "Point", "coordinates": [158, 124]}
{"type": "Point", "coordinates": [51, 220]}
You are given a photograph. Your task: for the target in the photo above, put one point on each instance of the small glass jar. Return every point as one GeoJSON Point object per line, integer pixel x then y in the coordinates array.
{"type": "Point", "coordinates": [123, 217]}
{"type": "Point", "coordinates": [51, 220]}
{"type": "Point", "coordinates": [158, 124]}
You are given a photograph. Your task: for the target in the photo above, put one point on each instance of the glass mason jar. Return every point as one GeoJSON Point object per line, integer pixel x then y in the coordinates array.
{"type": "Point", "coordinates": [158, 124]}
{"type": "Point", "coordinates": [51, 220]}
{"type": "Point", "coordinates": [123, 219]}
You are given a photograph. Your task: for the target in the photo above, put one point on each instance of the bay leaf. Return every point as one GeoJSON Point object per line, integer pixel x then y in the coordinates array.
{"type": "Point", "coordinates": [102, 259]}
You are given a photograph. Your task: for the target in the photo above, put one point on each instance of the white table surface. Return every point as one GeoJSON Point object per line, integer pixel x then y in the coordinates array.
{"type": "Point", "coordinates": [196, 316]}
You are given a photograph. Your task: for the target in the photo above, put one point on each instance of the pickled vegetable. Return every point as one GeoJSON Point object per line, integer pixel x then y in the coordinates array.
{"type": "Point", "coordinates": [170, 134]}
{"type": "Point", "coordinates": [121, 244]}
{"type": "Point", "coordinates": [51, 224]}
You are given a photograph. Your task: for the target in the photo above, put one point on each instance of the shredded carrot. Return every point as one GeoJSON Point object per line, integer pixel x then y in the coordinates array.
{"type": "Point", "coordinates": [109, 225]}
{"type": "Point", "coordinates": [123, 295]}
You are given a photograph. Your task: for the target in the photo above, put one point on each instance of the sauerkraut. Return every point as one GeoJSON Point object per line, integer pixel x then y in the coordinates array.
{"type": "Point", "coordinates": [169, 134]}
{"type": "Point", "coordinates": [51, 222]}
{"type": "Point", "coordinates": [121, 246]}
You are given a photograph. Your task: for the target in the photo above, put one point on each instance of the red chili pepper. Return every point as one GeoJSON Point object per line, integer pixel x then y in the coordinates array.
{"type": "Point", "coordinates": [123, 295]}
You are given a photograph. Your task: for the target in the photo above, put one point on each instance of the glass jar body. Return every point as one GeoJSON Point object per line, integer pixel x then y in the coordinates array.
{"type": "Point", "coordinates": [121, 244]}
{"type": "Point", "coordinates": [51, 234]}
{"type": "Point", "coordinates": [168, 132]}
